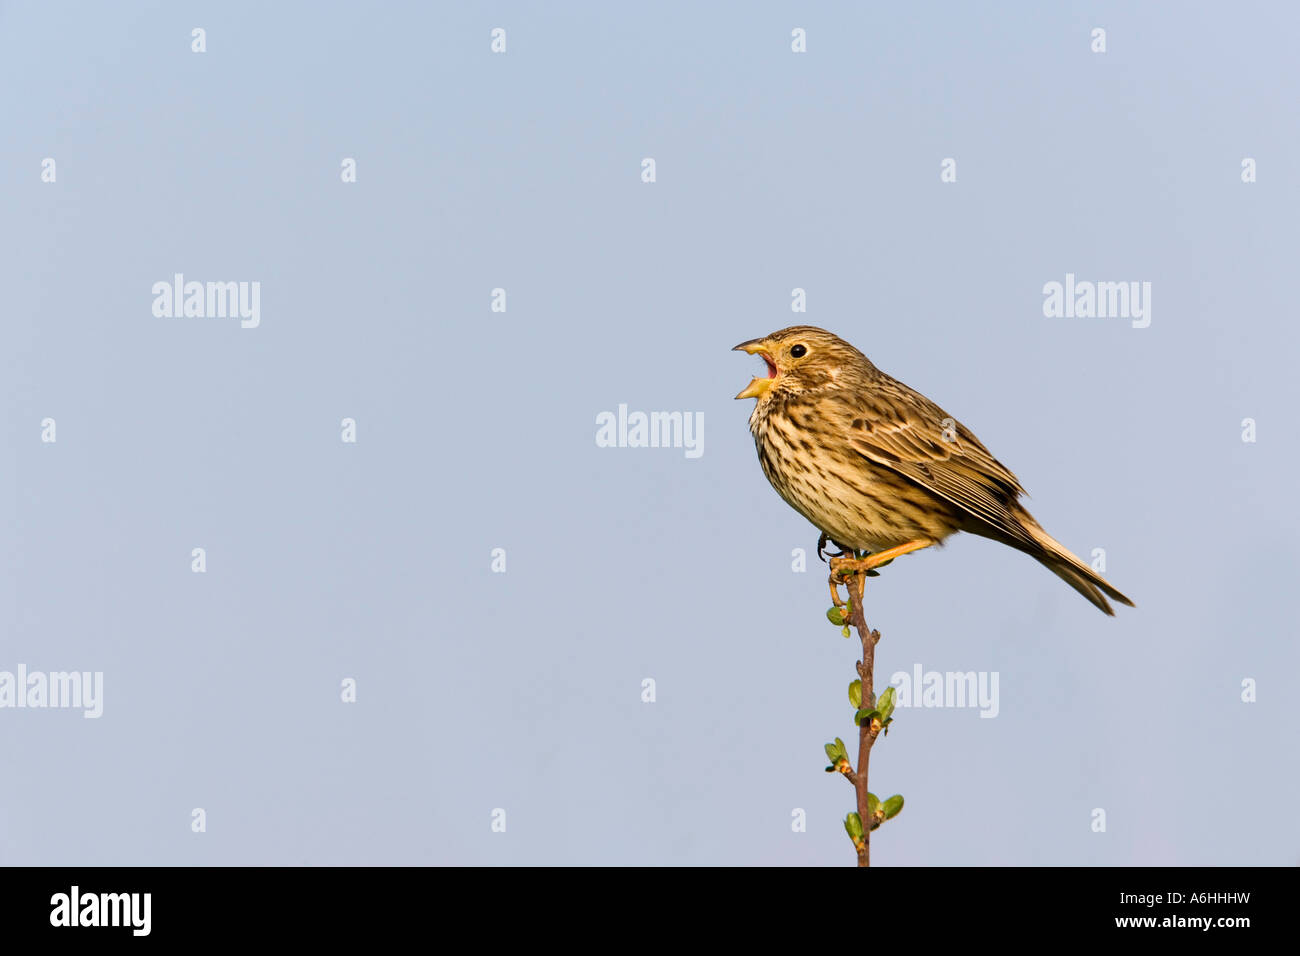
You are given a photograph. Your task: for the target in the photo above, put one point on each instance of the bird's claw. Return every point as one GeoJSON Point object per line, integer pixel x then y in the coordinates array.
{"type": "Point", "coordinates": [824, 554]}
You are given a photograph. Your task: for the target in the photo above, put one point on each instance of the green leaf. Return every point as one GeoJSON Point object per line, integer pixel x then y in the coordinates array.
{"type": "Point", "coordinates": [832, 752]}
{"type": "Point", "coordinates": [853, 827]}
{"type": "Point", "coordinates": [855, 694]}
{"type": "Point", "coordinates": [863, 716]}
{"type": "Point", "coordinates": [836, 616]}
{"type": "Point", "coordinates": [886, 703]}
{"type": "Point", "coordinates": [873, 803]}
{"type": "Point", "coordinates": [843, 750]}
{"type": "Point", "coordinates": [893, 806]}
{"type": "Point", "coordinates": [845, 632]}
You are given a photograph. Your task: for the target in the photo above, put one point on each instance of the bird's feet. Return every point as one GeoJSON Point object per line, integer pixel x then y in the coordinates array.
{"type": "Point", "coordinates": [846, 566]}
{"type": "Point", "coordinates": [864, 563]}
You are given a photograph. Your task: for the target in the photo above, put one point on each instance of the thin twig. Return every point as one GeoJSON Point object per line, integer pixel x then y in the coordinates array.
{"type": "Point", "coordinates": [869, 731]}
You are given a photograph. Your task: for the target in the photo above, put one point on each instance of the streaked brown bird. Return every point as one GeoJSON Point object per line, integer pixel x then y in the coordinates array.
{"type": "Point", "coordinates": [879, 467]}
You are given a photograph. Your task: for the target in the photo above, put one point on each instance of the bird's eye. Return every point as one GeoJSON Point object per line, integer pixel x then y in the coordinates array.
{"type": "Point", "coordinates": [798, 351]}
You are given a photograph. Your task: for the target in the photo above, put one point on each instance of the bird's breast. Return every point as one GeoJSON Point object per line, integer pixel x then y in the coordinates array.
{"type": "Point", "coordinates": [857, 502]}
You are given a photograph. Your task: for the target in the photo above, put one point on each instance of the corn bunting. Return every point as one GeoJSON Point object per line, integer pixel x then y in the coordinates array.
{"type": "Point", "coordinates": [878, 467]}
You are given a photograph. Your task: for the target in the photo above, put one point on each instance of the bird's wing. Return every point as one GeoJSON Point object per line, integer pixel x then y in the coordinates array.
{"type": "Point", "coordinates": [902, 430]}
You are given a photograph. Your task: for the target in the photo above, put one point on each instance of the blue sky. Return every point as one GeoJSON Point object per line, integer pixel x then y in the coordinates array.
{"type": "Point", "coordinates": [476, 429]}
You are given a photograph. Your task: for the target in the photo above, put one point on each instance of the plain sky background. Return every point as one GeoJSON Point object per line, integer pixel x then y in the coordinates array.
{"type": "Point", "coordinates": [476, 430]}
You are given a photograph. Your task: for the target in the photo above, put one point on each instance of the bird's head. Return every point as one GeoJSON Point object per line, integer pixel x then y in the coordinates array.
{"type": "Point", "coordinates": [798, 358]}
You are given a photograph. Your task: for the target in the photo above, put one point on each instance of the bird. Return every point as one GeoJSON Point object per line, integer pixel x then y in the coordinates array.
{"type": "Point", "coordinates": [877, 467]}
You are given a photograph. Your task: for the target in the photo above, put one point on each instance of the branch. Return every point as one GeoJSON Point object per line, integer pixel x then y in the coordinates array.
{"type": "Point", "coordinates": [850, 570]}
{"type": "Point", "coordinates": [867, 731]}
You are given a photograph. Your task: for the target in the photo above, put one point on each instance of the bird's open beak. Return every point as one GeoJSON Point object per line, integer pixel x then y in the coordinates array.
{"type": "Point", "coordinates": [758, 386]}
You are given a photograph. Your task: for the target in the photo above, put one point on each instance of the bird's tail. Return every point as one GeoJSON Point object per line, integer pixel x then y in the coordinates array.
{"type": "Point", "coordinates": [1070, 569]}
